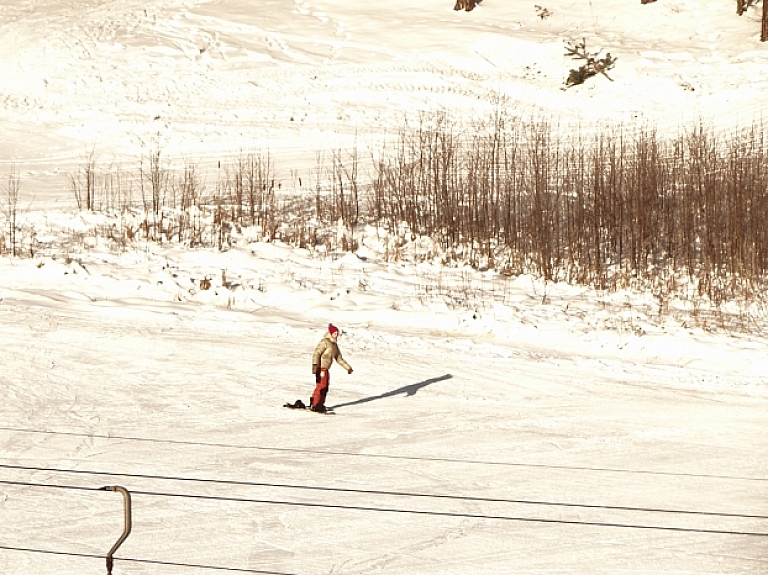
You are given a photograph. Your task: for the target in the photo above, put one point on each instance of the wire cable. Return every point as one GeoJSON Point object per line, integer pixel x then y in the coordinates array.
{"type": "Point", "coordinates": [48, 485]}
{"type": "Point", "coordinates": [464, 498]}
{"type": "Point", "coordinates": [381, 455]}
{"type": "Point", "coordinates": [451, 514]}
{"type": "Point", "coordinates": [146, 561]}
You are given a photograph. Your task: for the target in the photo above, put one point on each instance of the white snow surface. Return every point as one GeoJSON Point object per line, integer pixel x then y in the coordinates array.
{"type": "Point", "coordinates": [491, 425]}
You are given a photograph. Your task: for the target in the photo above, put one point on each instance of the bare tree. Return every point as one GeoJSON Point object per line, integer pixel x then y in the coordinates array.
{"type": "Point", "coordinates": [10, 207]}
{"type": "Point", "coordinates": [764, 33]}
{"type": "Point", "coordinates": [83, 184]}
{"type": "Point", "coordinates": [741, 8]}
{"type": "Point", "coordinates": [157, 177]}
{"type": "Point", "coordinates": [189, 189]}
{"type": "Point", "coordinates": [259, 177]}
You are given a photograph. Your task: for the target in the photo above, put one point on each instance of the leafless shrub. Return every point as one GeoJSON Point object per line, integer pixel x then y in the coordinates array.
{"type": "Point", "coordinates": [613, 210]}
{"type": "Point", "coordinates": [82, 183]}
{"type": "Point", "coordinates": [339, 194]}
{"type": "Point", "coordinates": [10, 209]}
{"type": "Point", "coordinates": [187, 189]}
{"type": "Point", "coordinates": [680, 216]}
{"type": "Point", "coordinates": [593, 65]}
{"type": "Point", "coordinates": [117, 189]}
{"type": "Point", "coordinates": [249, 187]}
{"type": "Point", "coordinates": [154, 180]}
{"type": "Point", "coordinates": [96, 189]}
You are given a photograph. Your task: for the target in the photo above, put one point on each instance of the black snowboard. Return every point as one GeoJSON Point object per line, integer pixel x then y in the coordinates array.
{"type": "Point", "coordinates": [298, 404]}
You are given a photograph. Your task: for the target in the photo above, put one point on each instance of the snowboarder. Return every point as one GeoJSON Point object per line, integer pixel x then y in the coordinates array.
{"type": "Point", "coordinates": [325, 352]}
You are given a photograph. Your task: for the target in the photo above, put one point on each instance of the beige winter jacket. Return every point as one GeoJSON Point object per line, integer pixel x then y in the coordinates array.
{"type": "Point", "coordinates": [326, 351]}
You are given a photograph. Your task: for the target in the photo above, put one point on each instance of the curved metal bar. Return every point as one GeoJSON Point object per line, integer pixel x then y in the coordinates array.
{"type": "Point", "coordinates": [126, 525]}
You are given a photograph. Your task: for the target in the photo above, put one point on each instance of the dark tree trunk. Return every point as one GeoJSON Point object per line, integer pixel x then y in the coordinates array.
{"type": "Point", "coordinates": [764, 33]}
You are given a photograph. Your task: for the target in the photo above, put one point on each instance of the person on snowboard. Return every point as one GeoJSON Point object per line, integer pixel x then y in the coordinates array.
{"type": "Point", "coordinates": [325, 352]}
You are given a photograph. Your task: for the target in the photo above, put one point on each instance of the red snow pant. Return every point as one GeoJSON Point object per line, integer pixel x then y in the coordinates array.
{"type": "Point", "coordinates": [322, 379]}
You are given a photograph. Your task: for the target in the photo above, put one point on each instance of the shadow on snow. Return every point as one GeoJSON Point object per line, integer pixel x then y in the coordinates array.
{"type": "Point", "coordinates": [408, 390]}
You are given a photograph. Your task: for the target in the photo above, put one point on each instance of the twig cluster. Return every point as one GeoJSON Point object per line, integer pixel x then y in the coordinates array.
{"type": "Point", "coordinates": [593, 65]}
{"type": "Point", "coordinates": [9, 206]}
{"type": "Point", "coordinates": [542, 12]}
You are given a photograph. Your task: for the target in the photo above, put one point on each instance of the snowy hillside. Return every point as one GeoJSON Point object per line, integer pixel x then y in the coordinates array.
{"type": "Point", "coordinates": [492, 423]}
{"type": "Point", "coordinates": [204, 80]}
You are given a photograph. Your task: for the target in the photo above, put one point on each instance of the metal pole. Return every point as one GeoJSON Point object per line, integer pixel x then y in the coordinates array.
{"type": "Point", "coordinates": [126, 526]}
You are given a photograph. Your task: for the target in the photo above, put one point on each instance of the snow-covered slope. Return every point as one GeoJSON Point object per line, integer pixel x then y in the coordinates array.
{"type": "Point", "coordinates": [491, 425]}
{"type": "Point", "coordinates": [485, 428]}
{"type": "Point", "coordinates": [204, 80]}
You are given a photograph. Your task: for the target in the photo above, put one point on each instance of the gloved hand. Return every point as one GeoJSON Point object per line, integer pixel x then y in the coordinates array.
{"type": "Point", "coordinates": [350, 369]}
{"type": "Point", "coordinates": [314, 368]}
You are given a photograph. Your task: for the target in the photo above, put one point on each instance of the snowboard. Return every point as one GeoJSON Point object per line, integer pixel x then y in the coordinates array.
{"type": "Point", "coordinates": [299, 405]}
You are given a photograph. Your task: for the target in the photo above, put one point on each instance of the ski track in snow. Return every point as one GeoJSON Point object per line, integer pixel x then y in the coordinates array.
{"type": "Point", "coordinates": [205, 80]}
{"type": "Point", "coordinates": [101, 384]}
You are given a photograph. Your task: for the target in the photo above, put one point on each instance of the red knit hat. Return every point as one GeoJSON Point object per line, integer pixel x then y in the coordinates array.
{"type": "Point", "coordinates": [332, 329]}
